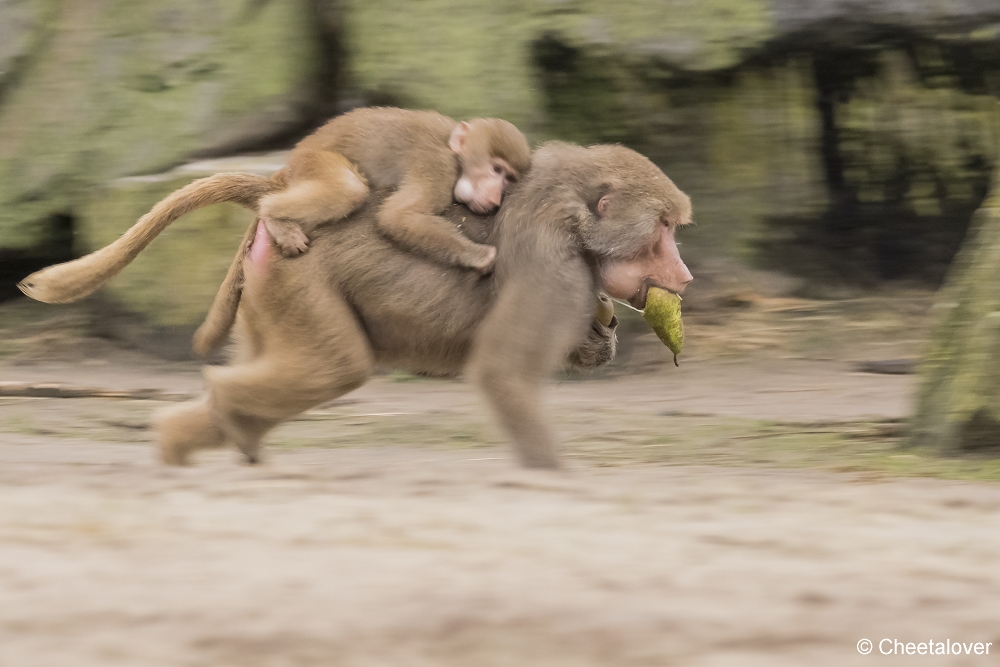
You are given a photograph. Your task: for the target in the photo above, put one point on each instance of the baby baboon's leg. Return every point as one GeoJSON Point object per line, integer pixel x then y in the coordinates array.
{"type": "Point", "coordinates": [322, 186]}
{"type": "Point", "coordinates": [406, 218]}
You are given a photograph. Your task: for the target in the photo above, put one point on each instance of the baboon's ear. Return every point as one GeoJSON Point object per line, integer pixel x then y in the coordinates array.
{"type": "Point", "coordinates": [456, 142]}
{"type": "Point", "coordinates": [602, 204]}
{"type": "Point", "coordinates": [599, 198]}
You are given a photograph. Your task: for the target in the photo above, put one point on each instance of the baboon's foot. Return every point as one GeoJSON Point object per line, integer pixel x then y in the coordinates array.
{"type": "Point", "coordinates": [245, 431]}
{"type": "Point", "coordinates": [183, 429]}
{"type": "Point", "coordinates": [540, 461]}
{"type": "Point", "coordinates": [287, 235]}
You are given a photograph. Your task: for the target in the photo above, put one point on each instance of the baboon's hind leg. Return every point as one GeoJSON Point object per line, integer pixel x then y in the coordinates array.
{"type": "Point", "coordinates": [185, 428]}
{"type": "Point", "coordinates": [308, 349]}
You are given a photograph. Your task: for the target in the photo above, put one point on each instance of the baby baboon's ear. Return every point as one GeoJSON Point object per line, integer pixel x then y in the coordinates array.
{"type": "Point", "coordinates": [456, 142]}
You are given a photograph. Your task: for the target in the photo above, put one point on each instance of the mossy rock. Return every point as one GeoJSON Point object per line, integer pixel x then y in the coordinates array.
{"type": "Point", "coordinates": [113, 88]}
{"type": "Point", "coordinates": [958, 406]}
{"type": "Point", "coordinates": [468, 58]}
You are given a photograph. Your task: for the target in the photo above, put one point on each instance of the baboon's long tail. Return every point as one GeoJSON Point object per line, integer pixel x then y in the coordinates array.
{"type": "Point", "coordinates": [74, 280]}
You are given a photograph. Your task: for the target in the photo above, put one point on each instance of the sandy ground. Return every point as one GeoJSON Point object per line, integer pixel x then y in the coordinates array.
{"type": "Point", "coordinates": [391, 528]}
{"type": "Point", "coordinates": [752, 507]}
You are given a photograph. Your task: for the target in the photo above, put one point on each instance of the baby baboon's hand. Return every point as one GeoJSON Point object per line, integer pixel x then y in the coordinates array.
{"type": "Point", "coordinates": [485, 260]}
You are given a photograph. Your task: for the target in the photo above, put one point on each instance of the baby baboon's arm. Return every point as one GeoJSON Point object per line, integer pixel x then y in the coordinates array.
{"type": "Point", "coordinates": [407, 217]}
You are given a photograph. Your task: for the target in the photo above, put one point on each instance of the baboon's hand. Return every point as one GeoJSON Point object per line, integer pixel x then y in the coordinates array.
{"type": "Point", "coordinates": [605, 309]}
{"type": "Point", "coordinates": [599, 347]}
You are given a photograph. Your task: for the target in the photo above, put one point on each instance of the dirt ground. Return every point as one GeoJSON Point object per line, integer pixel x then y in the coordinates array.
{"type": "Point", "coordinates": [753, 507]}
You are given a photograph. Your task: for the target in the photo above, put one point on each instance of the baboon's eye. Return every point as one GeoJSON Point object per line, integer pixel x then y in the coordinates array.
{"type": "Point", "coordinates": [501, 168]}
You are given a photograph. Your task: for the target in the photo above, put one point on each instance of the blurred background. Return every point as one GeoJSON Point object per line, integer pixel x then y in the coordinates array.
{"type": "Point", "coordinates": [846, 143]}
{"type": "Point", "coordinates": [837, 153]}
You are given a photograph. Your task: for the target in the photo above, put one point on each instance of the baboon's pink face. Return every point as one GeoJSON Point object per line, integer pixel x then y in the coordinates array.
{"type": "Point", "coordinates": [657, 265]}
{"type": "Point", "coordinates": [633, 227]}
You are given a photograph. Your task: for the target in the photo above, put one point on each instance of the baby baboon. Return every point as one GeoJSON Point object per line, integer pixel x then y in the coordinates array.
{"type": "Point", "coordinates": [424, 158]}
{"type": "Point", "coordinates": [413, 154]}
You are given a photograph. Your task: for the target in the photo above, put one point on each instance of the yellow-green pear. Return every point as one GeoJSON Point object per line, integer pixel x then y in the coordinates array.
{"type": "Point", "coordinates": [663, 313]}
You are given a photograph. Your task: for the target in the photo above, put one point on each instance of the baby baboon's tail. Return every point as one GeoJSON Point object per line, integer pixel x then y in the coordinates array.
{"type": "Point", "coordinates": [74, 280]}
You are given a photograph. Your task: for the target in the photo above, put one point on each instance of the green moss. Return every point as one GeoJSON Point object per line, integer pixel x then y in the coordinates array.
{"type": "Point", "coordinates": [592, 96]}
{"type": "Point", "coordinates": [125, 87]}
{"type": "Point", "coordinates": [700, 36]}
{"type": "Point", "coordinates": [283, 57]}
{"type": "Point", "coordinates": [26, 28]}
{"type": "Point", "coordinates": [936, 139]}
{"type": "Point", "coordinates": [464, 59]}
{"type": "Point", "coordinates": [471, 59]}
{"type": "Point", "coordinates": [958, 404]}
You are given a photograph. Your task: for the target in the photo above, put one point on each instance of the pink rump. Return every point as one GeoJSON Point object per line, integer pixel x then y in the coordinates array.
{"type": "Point", "coordinates": [259, 249]}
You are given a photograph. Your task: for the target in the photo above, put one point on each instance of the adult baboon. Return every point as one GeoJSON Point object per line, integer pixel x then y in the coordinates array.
{"type": "Point", "coordinates": [312, 328]}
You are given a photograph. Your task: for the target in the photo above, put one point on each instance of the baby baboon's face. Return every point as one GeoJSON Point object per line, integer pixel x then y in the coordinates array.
{"type": "Point", "coordinates": [492, 155]}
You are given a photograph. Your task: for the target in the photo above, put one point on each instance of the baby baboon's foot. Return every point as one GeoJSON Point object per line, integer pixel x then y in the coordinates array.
{"type": "Point", "coordinates": [484, 260]}
{"type": "Point", "coordinates": [288, 236]}
{"type": "Point", "coordinates": [183, 429]}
